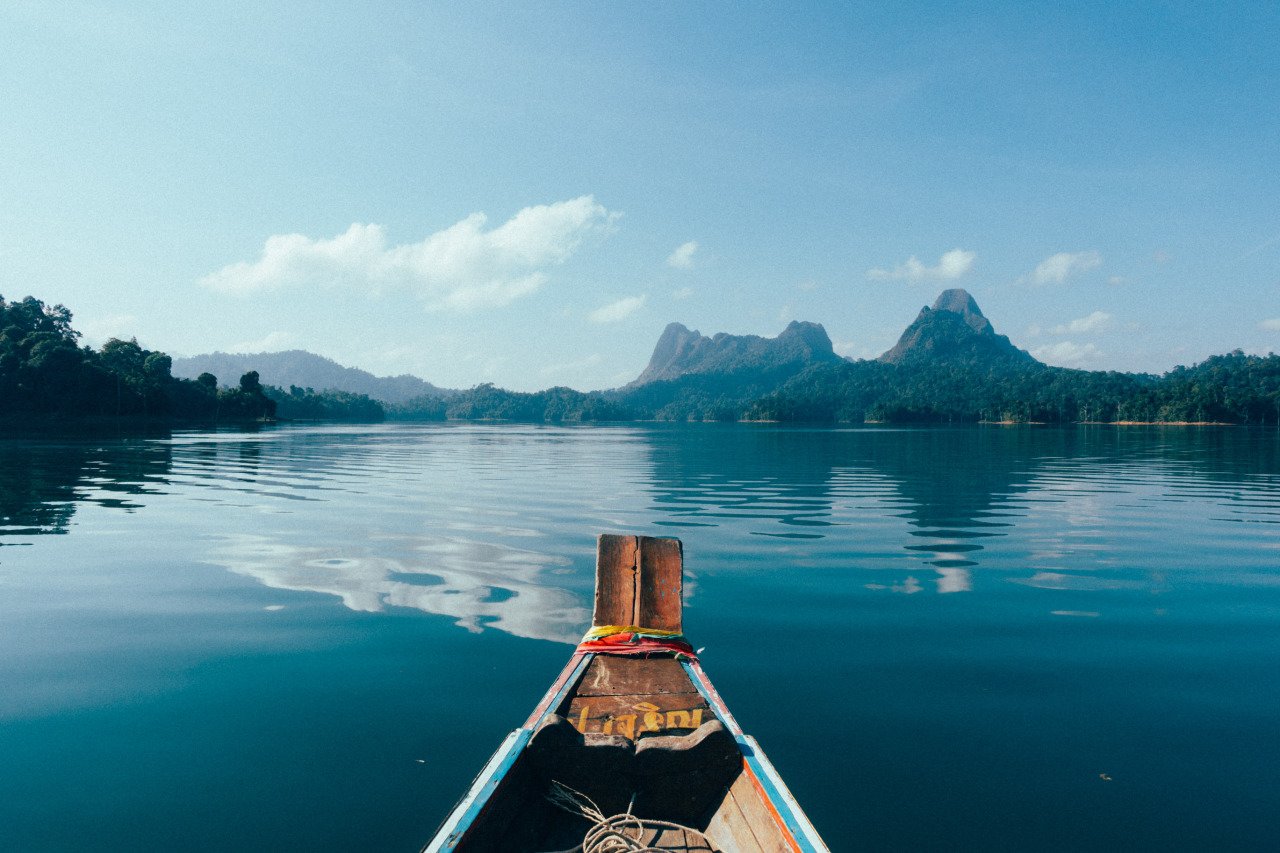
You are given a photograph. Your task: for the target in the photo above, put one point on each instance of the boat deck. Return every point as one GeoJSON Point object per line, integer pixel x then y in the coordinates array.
{"type": "Point", "coordinates": [633, 729]}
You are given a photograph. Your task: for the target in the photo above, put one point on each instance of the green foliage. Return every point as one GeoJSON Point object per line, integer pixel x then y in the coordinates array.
{"type": "Point", "coordinates": [43, 370]}
{"type": "Point", "coordinates": [554, 405]}
{"type": "Point", "coordinates": [307, 404]}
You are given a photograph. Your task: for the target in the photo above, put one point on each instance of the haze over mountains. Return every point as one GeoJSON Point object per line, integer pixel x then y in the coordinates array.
{"type": "Point", "coordinates": [954, 328]}
{"type": "Point", "coordinates": [307, 370]}
{"type": "Point", "coordinates": [950, 366]}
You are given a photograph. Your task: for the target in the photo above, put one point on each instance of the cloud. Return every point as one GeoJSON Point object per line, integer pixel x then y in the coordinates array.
{"type": "Point", "coordinates": [1272, 325]}
{"type": "Point", "coordinates": [1098, 321]}
{"type": "Point", "coordinates": [682, 257]}
{"type": "Point", "coordinates": [1067, 354]}
{"type": "Point", "coordinates": [1056, 269]}
{"type": "Point", "coordinates": [682, 293]}
{"type": "Point", "coordinates": [950, 266]}
{"type": "Point", "coordinates": [462, 267]}
{"type": "Point", "coordinates": [615, 311]}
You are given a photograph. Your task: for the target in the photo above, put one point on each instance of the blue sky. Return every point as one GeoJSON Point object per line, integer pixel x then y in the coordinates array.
{"type": "Point", "coordinates": [527, 195]}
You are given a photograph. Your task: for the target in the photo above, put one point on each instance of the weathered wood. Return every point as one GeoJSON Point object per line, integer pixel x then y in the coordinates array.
{"type": "Point", "coordinates": [661, 583]}
{"type": "Point", "coordinates": [639, 581]}
{"type": "Point", "coordinates": [759, 815]}
{"type": "Point", "coordinates": [609, 675]}
{"type": "Point", "coordinates": [616, 581]}
{"type": "Point", "coordinates": [676, 839]}
{"type": "Point", "coordinates": [728, 828]}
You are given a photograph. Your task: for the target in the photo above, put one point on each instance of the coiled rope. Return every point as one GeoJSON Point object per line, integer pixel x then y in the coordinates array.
{"type": "Point", "coordinates": [620, 833]}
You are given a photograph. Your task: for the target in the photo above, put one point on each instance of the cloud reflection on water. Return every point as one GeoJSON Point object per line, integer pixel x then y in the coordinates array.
{"type": "Point", "coordinates": [479, 584]}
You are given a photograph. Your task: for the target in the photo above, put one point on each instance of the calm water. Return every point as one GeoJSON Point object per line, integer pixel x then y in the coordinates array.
{"type": "Point", "coordinates": [969, 639]}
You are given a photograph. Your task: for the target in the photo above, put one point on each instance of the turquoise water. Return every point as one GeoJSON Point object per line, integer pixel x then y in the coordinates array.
{"type": "Point", "coordinates": [963, 639]}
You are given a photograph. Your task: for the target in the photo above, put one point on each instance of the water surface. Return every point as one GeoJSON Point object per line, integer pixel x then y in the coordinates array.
{"type": "Point", "coordinates": [965, 639]}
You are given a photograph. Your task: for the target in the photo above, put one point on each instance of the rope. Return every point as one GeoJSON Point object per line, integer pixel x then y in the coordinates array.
{"type": "Point", "coordinates": [620, 833]}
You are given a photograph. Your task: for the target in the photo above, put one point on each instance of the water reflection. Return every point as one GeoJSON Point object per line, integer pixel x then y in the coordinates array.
{"type": "Point", "coordinates": [43, 481]}
{"type": "Point", "coordinates": [478, 584]}
{"type": "Point", "coordinates": [492, 526]}
{"type": "Point", "coordinates": [1065, 493]}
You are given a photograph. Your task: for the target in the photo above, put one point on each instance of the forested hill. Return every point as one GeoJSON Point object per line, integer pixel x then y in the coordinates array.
{"type": "Point", "coordinates": [950, 365]}
{"type": "Point", "coordinates": [307, 370]}
{"type": "Point", "coordinates": [953, 329]}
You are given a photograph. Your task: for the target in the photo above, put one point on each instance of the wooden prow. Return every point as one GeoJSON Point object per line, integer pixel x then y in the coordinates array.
{"type": "Point", "coordinates": [639, 582]}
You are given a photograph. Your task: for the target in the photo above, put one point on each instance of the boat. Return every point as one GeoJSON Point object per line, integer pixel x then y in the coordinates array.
{"type": "Point", "coordinates": [631, 748]}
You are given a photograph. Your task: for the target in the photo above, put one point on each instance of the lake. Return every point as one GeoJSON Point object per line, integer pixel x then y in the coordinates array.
{"type": "Point", "coordinates": [980, 638]}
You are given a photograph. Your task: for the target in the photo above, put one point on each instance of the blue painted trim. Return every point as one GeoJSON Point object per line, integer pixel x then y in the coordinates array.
{"type": "Point", "coordinates": [796, 821]}
{"type": "Point", "coordinates": [481, 790]}
{"type": "Point", "coordinates": [776, 790]}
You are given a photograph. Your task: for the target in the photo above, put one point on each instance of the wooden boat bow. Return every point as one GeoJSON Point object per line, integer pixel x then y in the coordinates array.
{"type": "Point", "coordinates": [633, 727]}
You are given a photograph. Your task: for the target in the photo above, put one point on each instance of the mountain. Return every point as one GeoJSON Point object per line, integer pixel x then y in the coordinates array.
{"type": "Point", "coordinates": [681, 352]}
{"type": "Point", "coordinates": [306, 370]}
{"type": "Point", "coordinates": [953, 330]}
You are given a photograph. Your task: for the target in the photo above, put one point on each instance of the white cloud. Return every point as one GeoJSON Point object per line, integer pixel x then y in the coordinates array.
{"type": "Point", "coordinates": [950, 266]}
{"type": "Point", "coordinates": [1098, 321]}
{"type": "Point", "coordinates": [1056, 269]}
{"type": "Point", "coordinates": [682, 257]}
{"type": "Point", "coordinates": [1116, 280]}
{"type": "Point", "coordinates": [1067, 354]}
{"type": "Point", "coordinates": [1034, 330]}
{"type": "Point", "coordinates": [682, 294]}
{"type": "Point", "coordinates": [462, 267]}
{"type": "Point", "coordinates": [273, 342]}
{"type": "Point", "coordinates": [615, 311]}
{"type": "Point", "coordinates": [1272, 325]}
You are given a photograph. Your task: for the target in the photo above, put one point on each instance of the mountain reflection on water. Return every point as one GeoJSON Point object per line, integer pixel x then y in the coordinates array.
{"type": "Point", "coordinates": [434, 518]}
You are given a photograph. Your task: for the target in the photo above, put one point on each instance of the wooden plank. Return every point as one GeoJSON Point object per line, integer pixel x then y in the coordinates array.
{"type": "Point", "coordinates": [616, 581]}
{"type": "Point", "coordinates": [676, 839]}
{"type": "Point", "coordinates": [763, 819]}
{"type": "Point", "coordinates": [608, 675]}
{"type": "Point", "coordinates": [661, 583]}
{"type": "Point", "coordinates": [728, 828]}
{"type": "Point", "coordinates": [631, 716]}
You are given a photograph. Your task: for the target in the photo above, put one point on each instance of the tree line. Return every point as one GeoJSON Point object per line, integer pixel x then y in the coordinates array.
{"type": "Point", "coordinates": [1234, 388]}
{"type": "Point", "coordinates": [45, 371]}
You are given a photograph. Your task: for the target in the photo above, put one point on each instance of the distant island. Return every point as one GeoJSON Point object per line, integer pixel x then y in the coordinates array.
{"type": "Point", "coordinates": [949, 366]}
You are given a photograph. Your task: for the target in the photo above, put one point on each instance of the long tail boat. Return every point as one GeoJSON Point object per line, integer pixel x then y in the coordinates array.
{"type": "Point", "coordinates": [632, 748]}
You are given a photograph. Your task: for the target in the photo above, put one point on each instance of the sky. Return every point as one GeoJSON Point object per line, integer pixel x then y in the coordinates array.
{"type": "Point", "coordinates": [527, 194]}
